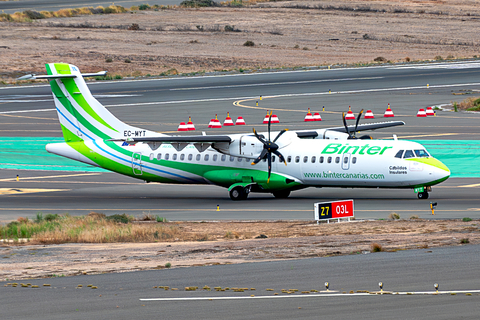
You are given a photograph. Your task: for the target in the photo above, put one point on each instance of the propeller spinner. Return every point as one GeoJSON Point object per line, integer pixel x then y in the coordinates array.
{"type": "Point", "coordinates": [269, 147]}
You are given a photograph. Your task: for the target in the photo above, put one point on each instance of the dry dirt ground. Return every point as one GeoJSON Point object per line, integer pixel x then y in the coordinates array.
{"type": "Point", "coordinates": [285, 33]}
{"type": "Point", "coordinates": [235, 242]}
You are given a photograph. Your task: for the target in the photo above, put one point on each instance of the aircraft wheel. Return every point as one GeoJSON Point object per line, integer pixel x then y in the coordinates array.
{"type": "Point", "coordinates": [422, 195]}
{"type": "Point", "coordinates": [238, 193]}
{"type": "Point", "coordinates": [281, 194]}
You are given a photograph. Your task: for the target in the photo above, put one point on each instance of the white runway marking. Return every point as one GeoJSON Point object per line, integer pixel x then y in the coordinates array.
{"type": "Point", "coordinates": [317, 295]}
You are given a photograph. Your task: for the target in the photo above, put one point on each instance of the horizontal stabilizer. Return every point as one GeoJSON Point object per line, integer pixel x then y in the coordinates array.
{"type": "Point", "coordinates": [58, 76]}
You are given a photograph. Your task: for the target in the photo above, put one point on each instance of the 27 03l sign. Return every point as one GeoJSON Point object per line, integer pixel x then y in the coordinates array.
{"type": "Point", "coordinates": [334, 210]}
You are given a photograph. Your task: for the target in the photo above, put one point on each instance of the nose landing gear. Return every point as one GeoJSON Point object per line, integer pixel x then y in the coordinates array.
{"type": "Point", "coordinates": [422, 195]}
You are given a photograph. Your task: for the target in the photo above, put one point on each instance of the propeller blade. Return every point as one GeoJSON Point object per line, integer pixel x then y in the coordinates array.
{"type": "Point", "coordinates": [280, 156]}
{"type": "Point", "coordinates": [260, 157]}
{"type": "Point", "coordinates": [345, 124]}
{"type": "Point", "coordinates": [356, 125]}
{"type": "Point", "coordinates": [269, 124]}
{"type": "Point", "coordinates": [279, 134]}
{"type": "Point", "coordinates": [269, 158]}
{"type": "Point", "coordinates": [258, 137]}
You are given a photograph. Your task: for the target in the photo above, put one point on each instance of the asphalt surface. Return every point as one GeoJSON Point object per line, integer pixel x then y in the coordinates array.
{"type": "Point", "coordinates": [161, 104]}
{"type": "Point", "coordinates": [118, 295]}
{"type": "Point", "coordinates": [54, 5]}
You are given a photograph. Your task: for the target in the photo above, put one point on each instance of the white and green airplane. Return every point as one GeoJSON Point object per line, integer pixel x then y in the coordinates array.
{"type": "Point", "coordinates": [293, 160]}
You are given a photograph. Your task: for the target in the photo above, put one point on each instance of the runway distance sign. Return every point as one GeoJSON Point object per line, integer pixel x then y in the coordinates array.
{"type": "Point", "coordinates": [334, 210]}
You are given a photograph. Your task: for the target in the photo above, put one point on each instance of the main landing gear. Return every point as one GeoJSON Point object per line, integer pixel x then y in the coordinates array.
{"type": "Point", "coordinates": [281, 194]}
{"type": "Point", "coordinates": [422, 195]}
{"type": "Point", "coordinates": [239, 193]}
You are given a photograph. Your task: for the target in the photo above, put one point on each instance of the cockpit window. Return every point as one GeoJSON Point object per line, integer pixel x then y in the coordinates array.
{"type": "Point", "coordinates": [408, 154]}
{"type": "Point", "coordinates": [399, 154]}
{"type": "Point", "coordinates": [421, 153]}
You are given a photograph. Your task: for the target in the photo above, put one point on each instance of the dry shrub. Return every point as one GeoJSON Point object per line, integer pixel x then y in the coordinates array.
{"type": "Point", "coordinates": [147, 217]}
{"type": "Point", "coordinates": [375, 247]}
{"type": "Point", "coordinates": [413, 217]}
{"type": "Point", "coordinates": [393, 216]}
{"type": "Point", "coordinates": [96, 215]}
{"type": "Point", "coordinates": [469, 103]}
{"type": "Point", "coordinates": [22, 220]}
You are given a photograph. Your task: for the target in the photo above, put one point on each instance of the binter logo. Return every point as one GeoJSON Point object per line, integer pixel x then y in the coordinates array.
{"type": "Point", "coordinates": [339, 148]}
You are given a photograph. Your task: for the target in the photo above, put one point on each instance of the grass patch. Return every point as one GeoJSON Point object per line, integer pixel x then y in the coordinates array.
{"type": "Point", "coordinates": [93, 228]}
{"type": "Point", "coordinates": [393, 216]}
{"type": "Point", "coordinates": [466, 219]}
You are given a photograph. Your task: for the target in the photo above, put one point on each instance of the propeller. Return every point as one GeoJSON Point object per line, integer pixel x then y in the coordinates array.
{"type": "Point", "coordinates": [352, 135]}
{"type": "Point", "coordinates": [269, 147]}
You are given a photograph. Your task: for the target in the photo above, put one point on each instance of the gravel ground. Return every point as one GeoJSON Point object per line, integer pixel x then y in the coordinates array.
{"type": "Point", "coordinates": [235, 242]}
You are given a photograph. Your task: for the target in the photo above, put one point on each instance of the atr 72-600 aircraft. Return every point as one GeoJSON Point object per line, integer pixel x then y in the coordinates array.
{"type": "Point", "coordinates": [243, 163]}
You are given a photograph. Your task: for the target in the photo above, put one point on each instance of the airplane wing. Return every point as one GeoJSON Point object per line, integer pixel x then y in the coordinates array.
{"type": "Point", "coordinates": [361, 127]}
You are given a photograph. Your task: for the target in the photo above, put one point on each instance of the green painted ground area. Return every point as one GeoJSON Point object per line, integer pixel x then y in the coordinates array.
{"type": "Point", "coordinates": [461, 156]}
{"type": "Point", "coordinates": [30, 154]}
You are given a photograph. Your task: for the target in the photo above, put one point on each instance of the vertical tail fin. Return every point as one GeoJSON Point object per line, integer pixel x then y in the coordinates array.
{"type": "Point", "coordinates": [81, 116]}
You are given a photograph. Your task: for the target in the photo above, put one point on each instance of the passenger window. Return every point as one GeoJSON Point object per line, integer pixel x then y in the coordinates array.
{"type": "Point", "coordinates": [399, 154]}
{"type": "Point", "coordinates": [273, 158]}
{"type": "Point", "coordinates": [337, 160]}
{"type": "Point", "coordinates": [354, 160]}
{"type": "Point", "coordinates": [329, 159]}
{"type": "Point", "coordinates": [231, 159]}
{"type": "Point", "coordinates": [151, 156]}
{"type": "Point", "coordinates": [264, 160]}
{"type": "Point", "coordinates": [305, 159]}
{"type": "Point", "coordinates": [223, 157]}
{"type": "Point", "coordinates": [182, 157]}
{"type": "Point", "coordinates": [408, 154]}
{"type": "Point", "coordinates": [320, 159]}
{"type": "Point", "coordinates": [422, 153]}
{"type": "Point", "coordinates": [313, 159]}
{"type": "Point", "coordinates": [174, 157]}
{"type": "Point", "coordinates": [198, 157]}
{"type": "Point", "coordinates": [206, 157]}
{"type": "Point", "coordinates": [289, 159]}
{"type": "Point", "coordinates": [239, 159]}
{"type": "Point", "coordinates": [214, 158]}
{"type": "Point", "coordinates": [345, 160]}
{"type": "Point", "coordinates": [167, 156]}
{"type": "Point", "coordinates": [190, 157]}
{"type": "Point", "coordinates": [159, 156]}
{"type": "Point", "coordinates": [297, 159]}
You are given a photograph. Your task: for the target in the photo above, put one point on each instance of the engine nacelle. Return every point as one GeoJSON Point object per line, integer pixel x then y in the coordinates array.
{"type": "Point", "coordinates": [332, 135]}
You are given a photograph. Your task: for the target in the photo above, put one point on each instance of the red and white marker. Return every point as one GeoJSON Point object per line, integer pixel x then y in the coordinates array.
{"type": "Point", "coordinates": [275, 119]}
{"type": "Point", "coordinates": [430, 111]}
{"type": "Point", "coordinates": [228, 121]}
{"type": "Point", "coordinates": [265, 120]}
{"type": "Point", "coordinates": [350, 115]}
{"type": "Point", "coordinates": [309, 116]}
{"type": "Point", "coordinates": [190, 125]}
{"type": "Point", "coordinates": [421, 113]}
{"type": "Point", "coordinates": [317, 117]}
{"type": "Point", "coordinates": [369, 115]}
{"type": "Point", "coordinates": [182, 127]}
{"type": "Point", "coordinates": [240, 121]}
{"type": "Point", "coordinates": [388, 113]}
{"type": "Point", "coordinates": [216, 123]}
